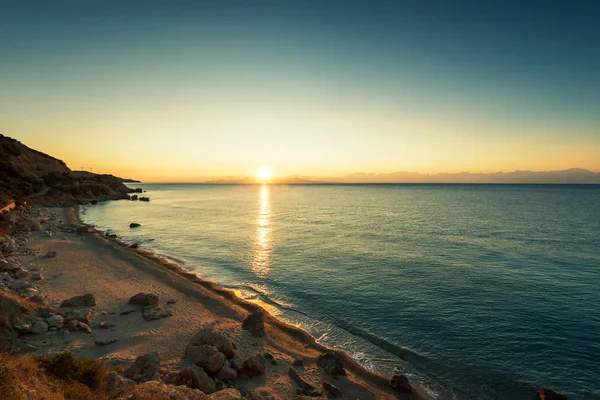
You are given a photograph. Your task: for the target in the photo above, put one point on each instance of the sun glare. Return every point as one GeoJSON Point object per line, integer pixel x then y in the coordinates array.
{"type": "Point", "coordinates": [264, 174]}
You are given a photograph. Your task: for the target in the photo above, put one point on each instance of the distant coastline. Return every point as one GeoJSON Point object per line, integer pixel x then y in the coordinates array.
{"type": "Point", "coordinates": [567, 176]}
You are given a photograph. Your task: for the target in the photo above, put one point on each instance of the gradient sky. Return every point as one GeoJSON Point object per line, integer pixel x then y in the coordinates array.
{"type": "Point", "coordinates": [187, 90]}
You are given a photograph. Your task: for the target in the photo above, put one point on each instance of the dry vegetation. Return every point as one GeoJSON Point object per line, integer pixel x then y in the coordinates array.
{"type": "Point", "coordinates": [51, 377]}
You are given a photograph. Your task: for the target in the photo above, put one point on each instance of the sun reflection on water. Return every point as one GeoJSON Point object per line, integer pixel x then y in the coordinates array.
{"type": "Point", "coordinates": [263, 245]}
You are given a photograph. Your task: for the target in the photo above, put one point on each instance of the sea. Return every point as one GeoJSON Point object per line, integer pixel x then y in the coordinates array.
{"type": "Point", "coordinates": [472, 291]}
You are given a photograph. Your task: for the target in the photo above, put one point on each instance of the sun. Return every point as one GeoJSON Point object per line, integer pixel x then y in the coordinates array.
{"type": "Point", "coordinates": [264, 174]}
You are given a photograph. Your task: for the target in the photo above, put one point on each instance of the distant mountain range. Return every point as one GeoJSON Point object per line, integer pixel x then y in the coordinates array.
{"type": "Point", "coordinates": [573, 175]}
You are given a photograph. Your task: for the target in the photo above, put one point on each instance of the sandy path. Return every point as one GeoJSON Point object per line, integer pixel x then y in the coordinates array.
{"type": "Point", "coordinates": [113, 273]}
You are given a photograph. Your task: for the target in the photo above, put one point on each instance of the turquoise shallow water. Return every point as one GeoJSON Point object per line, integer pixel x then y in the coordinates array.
{"type": "Point", "coordinates": [474, 291]}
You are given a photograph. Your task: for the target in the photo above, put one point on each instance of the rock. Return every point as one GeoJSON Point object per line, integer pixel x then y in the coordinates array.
{"type": "Point", "coordinates": [78, 315]}
{"type": "Point", "coordinates": [331, 363]}
{"type": "Point", "coordinates": [298, 362]}
{"type": "Point", "coordinates": [81, 230]}
{"type": "Point", "coordinates": [198, 379]}
{"type": "Point", "coordinates": [94, 202]}
{"type": "Point", "coordinates": [333, 391]}
{"type": "Point", "coordinates": [39, 328]}
{"type": "Point", "coordinates": [115, 383]}
{"type": "Point", "coordinates": [255, 324]}
{"type": "Point", "coordinates": [50, 254]}
{"type": "Point", "coordinates": [237, 363]}
{"type": "Point", "coordinates": [54, 321]}
{"type": "Point", "coordinates": [227, 394]}
{"type": "Point", "coordinates": [220, 340]}
{"type": "Point", "coordinates": [144, 368]}
{"type": "Point", "coordinates": [227, 373]}
{"type": "Point", "coordinates": [86, 300]}
{"type": "Point", "coordinates": [153, 312]}
{"type": "Point", "coordinates": [254, 364]}
{"type": "Point", "coordinates": [171, 301]}
{"type": "Point", "coordinates": [306, 387]}
{"type": "Point", "coordinates": [106, 325]}
{"type": "Point", "coordinates": [144, 198]}
{"type": "Point", "coordinates": [37, 275]}
{"type": "Point", "coordinates": [23, 329]}
{"type": "Point", "coordinates": [106, 341]}
{"type": "Point", "coordinates": [270, 357]}
{"type": "Point", "coordinates": [73, 325]}
{"type": "Point", "coordinates": [144, 299]}
{"type": "Point", "coordinates": [134, 197]}
{"type": "Point", "coordinates": [138, 190]}
{"type": "Point", "coordinates": [5, 265]}
{"type": "Point", "coordinates": [36, 299]}
{"type": "Point", "coordinates": [547, 394]}
{"type": "Point", "coordinates": [134, 225]}
{"type": "Point", "coordinates": [205, 356]}
{"type": "Point", "coordinates": [112, 235]}
{"type": "Point", "coordinates": [400, 383]}
{"type": "Point", "coordinates": [134, 246]}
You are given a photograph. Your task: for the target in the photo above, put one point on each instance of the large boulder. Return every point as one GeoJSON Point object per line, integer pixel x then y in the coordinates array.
{"type": "Point", "coordinates": [115, 383]}
{"type": "Point", "coordinates": [212, 337]}
{"type": "Point", "coordinates": [86, 300]}
{"type": "Point", "coordinates": [227, 373]}
{"type": "Point", "coordinates": [255, 324]}
{"type": "Point", "coordinates": [331, 363]}
{"type": "Point", "coordinates": [144, 299]}
{"type": "Point", "coordinates": [400, 383]}
{"type": "Point", "coordinates": [145, 368]}
{"type": "Point", "coordinates": [197, 378]}
{"type": "Point", "coordinates": [254, 364]}
{"type": "Point", "coordinates": [205, 356]}
{"type": "Point", "coordinates": [547, 394]}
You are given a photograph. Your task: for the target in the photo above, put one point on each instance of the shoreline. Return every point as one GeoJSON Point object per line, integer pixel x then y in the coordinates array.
{"type": "Point", "coordinates": [222, 298]}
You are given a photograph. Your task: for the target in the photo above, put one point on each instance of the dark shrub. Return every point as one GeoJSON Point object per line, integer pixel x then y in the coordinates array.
{"type": "Point", "coordinates": [66, 367]}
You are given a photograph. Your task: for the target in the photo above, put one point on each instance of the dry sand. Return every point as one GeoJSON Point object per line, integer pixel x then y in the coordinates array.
{"type": "Point", "coordinates": [112, 272]}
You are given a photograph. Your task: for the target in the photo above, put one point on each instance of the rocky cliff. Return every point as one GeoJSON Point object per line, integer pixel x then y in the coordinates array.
{"type": "Point", "coordinates": [29, 175]}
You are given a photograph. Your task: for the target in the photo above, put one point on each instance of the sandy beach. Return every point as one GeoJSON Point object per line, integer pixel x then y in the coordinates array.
{"type": "Point", "coordinates": [113, 273]}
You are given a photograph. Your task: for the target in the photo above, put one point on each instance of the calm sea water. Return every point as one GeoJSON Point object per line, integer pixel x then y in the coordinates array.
{"type": "Point", "coordinates": [475, 291]}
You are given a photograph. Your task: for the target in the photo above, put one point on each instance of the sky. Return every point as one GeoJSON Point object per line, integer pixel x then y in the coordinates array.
{"type": "Point", "coordinates": [191, 90]}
